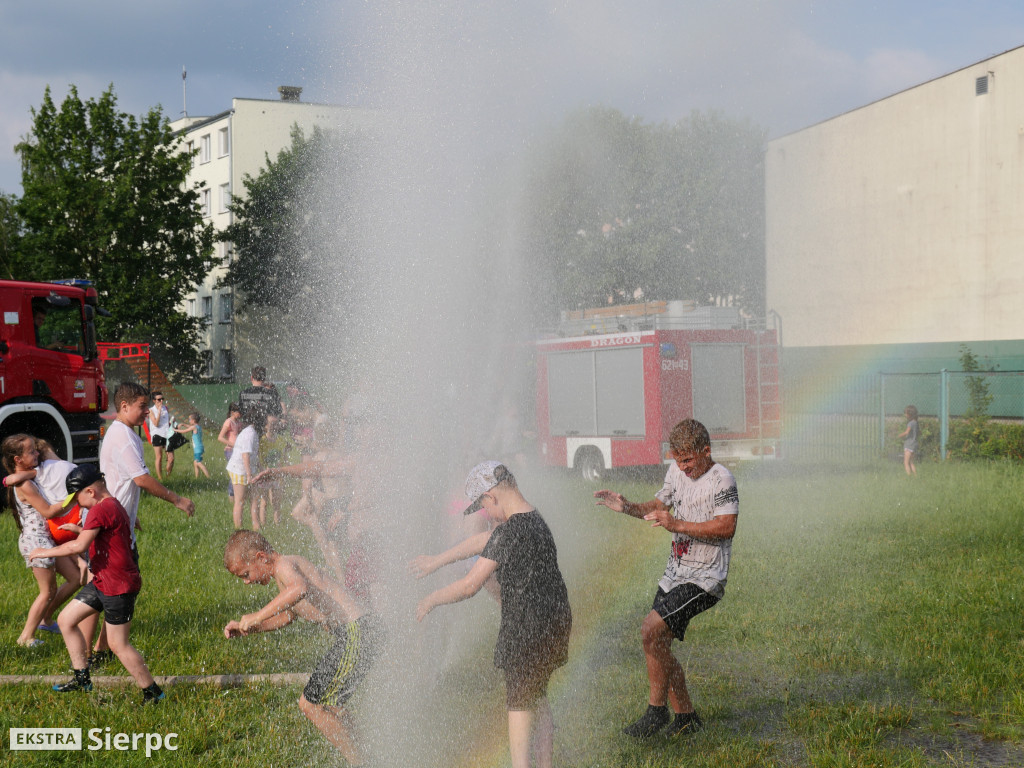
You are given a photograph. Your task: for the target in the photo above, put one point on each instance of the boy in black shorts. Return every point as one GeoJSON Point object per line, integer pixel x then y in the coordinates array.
{"type": "Point", "coordinates": [699, 505]}
{"type": "Point", "coordinates": [533, 640]}
{"type": "Point", "coordinates": [304, 592]}
{"type": "Point", "coordinates": [114, 587]}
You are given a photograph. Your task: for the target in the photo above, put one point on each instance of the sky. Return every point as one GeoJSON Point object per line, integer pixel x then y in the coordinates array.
{"type": "Point", "coordinates": [784, 64]}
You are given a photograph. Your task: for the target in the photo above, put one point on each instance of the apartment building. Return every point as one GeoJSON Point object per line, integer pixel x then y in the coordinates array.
{"type": "Point", "coordinates": [229, 146]}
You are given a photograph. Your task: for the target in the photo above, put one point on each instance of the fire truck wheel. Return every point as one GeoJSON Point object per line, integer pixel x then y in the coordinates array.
{"type": "Point", "coordinates": [590, 464]}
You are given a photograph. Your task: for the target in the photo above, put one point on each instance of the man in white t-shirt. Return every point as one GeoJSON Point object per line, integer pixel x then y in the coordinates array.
{"type": "Point", "coordinates": [699, 505]}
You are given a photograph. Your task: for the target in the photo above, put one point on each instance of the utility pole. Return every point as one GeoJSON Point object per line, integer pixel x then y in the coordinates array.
{"type": "Point", "coordinates": [184, 101]}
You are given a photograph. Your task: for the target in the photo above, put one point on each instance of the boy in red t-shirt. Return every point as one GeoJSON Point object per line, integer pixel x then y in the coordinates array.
{"type": "Point", "coordinates": [115, 585]}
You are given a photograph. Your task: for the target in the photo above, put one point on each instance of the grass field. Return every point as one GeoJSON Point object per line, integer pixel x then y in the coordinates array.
{"type": "Point", "coordinates": [869, 620]}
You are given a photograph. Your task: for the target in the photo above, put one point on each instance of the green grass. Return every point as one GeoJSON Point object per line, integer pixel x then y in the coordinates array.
{"type": "Point", "coordinates": [869, 620]}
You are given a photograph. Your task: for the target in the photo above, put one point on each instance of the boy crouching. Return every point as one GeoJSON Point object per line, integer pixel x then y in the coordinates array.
{"type": "Point", "coordinates": [303, 592]}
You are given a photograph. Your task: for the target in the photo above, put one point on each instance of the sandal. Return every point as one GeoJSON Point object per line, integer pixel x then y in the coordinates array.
{"type": "Point", "coordinates": [50, 628]}
{"type": "Point", "coordinates": [35, 642]}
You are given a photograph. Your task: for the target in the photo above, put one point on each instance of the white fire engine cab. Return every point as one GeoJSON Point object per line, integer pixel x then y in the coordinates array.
{"type": "Point", "coordinates": [613, 382]}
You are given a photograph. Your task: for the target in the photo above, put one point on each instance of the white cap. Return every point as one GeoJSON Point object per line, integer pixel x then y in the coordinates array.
{"type": "Point", "coordinates": [481, 479]}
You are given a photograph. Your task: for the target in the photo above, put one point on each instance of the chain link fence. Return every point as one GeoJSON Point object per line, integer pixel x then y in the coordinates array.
{"type": "Point", "coordinates": [858, 418]}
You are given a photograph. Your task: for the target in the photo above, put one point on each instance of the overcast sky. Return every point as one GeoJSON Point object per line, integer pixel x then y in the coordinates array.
{"type": "Point", "coordinates": [784, 64]}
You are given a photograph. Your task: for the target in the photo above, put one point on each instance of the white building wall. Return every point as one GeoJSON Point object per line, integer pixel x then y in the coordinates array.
{"type": "Point", "coordinates": [240, 141]}
{"type": "Point", "coordinates": [903, 221]}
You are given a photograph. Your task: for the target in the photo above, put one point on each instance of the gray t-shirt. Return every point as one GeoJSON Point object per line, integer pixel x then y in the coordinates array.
{"type": "Point", "coordinates": [704, 562]}
{"type": "Point", "coordinates": [910, 444]}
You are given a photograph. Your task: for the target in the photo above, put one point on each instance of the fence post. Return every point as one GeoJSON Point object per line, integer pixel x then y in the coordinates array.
{"type": "Point", "coordinates": [943, 413]}
{"type": "Point", "coordinates": [881, 419]}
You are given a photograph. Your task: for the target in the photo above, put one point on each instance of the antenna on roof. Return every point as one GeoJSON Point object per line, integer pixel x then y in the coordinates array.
{"type": "Point", "coordinates": [184, 101]}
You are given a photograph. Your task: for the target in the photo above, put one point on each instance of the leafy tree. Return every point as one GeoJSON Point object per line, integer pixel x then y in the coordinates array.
{"type": "Point", "coordinates": [105, 198]}
{"type": "Point", "coordinates": [10, 236]}
{"type": "Point", "coordinates": [290, 268]}
{"type": "Point", "coordinates": [619, 208]}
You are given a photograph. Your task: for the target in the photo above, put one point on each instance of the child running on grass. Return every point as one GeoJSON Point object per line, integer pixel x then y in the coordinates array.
{"type": "Point", "coordinates": [196, 429]}
{"type": "Point", "coordinates": [533, 640]}
{"type": "Point", "coordinates": [304, 592]}
{"type": "Point", "coordinates": [114, 587]}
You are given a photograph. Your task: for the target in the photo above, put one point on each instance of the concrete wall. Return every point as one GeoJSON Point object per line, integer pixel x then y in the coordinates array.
{"type": "Point", "coordinates": [903, 221]}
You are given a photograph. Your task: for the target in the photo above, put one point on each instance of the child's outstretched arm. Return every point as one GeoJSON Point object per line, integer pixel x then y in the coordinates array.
{"type": "Point", "coordinates": [185, 429]}
{"type": "Point", "coordinates": [74, 547]}
{"type": "Point", "coordinates": [457, 591]}
{"type": "Point", "coordinates": [424, 565]}
{"type": "Point", "coordinates": [293, 589]}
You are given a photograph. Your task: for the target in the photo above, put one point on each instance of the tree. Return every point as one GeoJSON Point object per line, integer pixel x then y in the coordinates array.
{"type": "Point", "coordinates": [290, 267]}
{"type": "Point", "coordinates": [10, 237]}
{"type": "Point", "coordinates": [105, 198]}
{"type": "Point", "coordinates": [620, 209]}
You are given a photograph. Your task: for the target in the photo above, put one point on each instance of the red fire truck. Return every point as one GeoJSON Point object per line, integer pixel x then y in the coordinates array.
{"type": "Point", "coordinates": [613, 382]}
{"type": "Point", "coordinates": [51, 378]}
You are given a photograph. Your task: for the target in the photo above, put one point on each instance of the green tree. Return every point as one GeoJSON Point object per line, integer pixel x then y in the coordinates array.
{"type": "Point", "coordinates": [619, 208]}
{"type": "Point", "coordinates": [10, 237]}
{"type": "Point", "coordinates": [290, 268]}
{"type": "Point", "coordinates": [105, 198]}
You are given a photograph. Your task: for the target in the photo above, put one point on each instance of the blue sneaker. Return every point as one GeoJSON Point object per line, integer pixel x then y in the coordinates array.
{"type": "Point", "coordinates": [77, 683]}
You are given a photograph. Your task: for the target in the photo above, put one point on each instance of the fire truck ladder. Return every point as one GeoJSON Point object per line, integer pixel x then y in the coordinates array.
{"type": "Point", "coordinates": [769, 381]}
{"type": "Point", "coordinates": [148, 373]}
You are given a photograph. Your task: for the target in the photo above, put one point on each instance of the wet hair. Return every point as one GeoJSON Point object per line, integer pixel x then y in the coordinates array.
{"type": "Point", "coordinates": [504, 477]}
{"type": "Point", "coordinates": [44, 446]}
{"type": "Point", "coordinates": [232, 407]}
{"type": "Point", "coordinates": [911, 412]}
{"type": "Point", "coordinates": [243, 545]}
{"type": "Point", "coordinates": [156, 393]}
{"type": "Point", "coordinates": [196, 416]}
{"type": "Point", "coordinates": [259, 373]}
{"type": "Point", "coordinates": [689, 436]}
{"type": "Point", "coordinates": [11, 448]}
{"type": "Point", "coordinates": [129, 392]}
{"type": "Point", "coordinates": [255, 416]}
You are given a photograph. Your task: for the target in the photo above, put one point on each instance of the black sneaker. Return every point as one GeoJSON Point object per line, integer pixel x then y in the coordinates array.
{"type": "Point", "coordinates": [99, 658]}
{"type": "Point", "coordinates": [152, 694]}
{"type": "Point", "coordinates": [80, 682]}
{"type": "Point", "coordinates": [653, 720]}
{"type": "Point", "coordinates": [684, 724]}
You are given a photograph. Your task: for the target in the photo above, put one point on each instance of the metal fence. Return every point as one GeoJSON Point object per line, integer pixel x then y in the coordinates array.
{"type": "Point", "coordinates": [857, 418]}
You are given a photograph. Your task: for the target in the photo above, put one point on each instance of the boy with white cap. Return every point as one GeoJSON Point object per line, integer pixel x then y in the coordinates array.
{"type": "Point", "coordinates": [536, 619]}
{"type": "Point", "coordinates": [115, 585]}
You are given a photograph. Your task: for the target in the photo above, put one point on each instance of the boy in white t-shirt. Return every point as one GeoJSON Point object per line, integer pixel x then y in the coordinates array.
{"type": "Point", "coordinates": [699, 505]}
{"type": "Point", "coordinates": [124, 466]}
{"type": "Point", "coordinates": [244, 464]}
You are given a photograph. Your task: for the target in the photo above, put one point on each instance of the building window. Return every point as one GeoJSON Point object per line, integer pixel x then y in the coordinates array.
{"type": "Point", "coordinates": [223, 147]}
{"type": "Point", "coordinates": [204, 149]}
{"type": "Point", "coordinates": [206, 362]}
{"type": "Point", "coordinates": [191, 307]}
{"type": "Point", "coordinates": [981, 86]}
{"type": "Point", "coordinates": [225, 307]}
{"type": "Point", "coordinates": [207, 307]}
{"type": "Point", "coordinates": [190, 148]}
{"type": "Point", "coordinates": [225, 197]}
{"type": "Point", "coordinates": [204, 202]}
{"type": "Point", "coordinates": [227, 364]}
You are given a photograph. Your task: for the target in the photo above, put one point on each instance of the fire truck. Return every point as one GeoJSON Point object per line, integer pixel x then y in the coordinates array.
{"type": "Point", "coordinates": [51, 376]}
{"type": "Point", "coordinates": [612, 382]}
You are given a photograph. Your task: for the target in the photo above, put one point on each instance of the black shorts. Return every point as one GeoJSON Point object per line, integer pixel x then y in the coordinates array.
{"type": "Point", "coordinates": [525, 685]}
{"type": "Point", "coordinates": [116, 609]}
{"type": "Point", "coordinates": [159, 441]}
{"type": "Point", "coordinates": [677, 607]}
{"type": "Point", "coordinates": [338, 674]}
